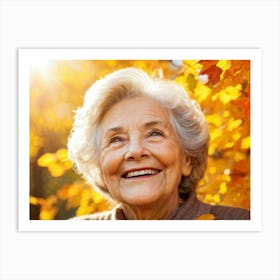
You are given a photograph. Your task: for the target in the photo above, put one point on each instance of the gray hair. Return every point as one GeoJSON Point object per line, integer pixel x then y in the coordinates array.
{"type": "Point", "coordinates": [84, 143]}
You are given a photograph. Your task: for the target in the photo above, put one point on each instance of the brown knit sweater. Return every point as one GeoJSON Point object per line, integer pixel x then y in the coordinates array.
{"type": "Point", "coordinates": [191, 209]}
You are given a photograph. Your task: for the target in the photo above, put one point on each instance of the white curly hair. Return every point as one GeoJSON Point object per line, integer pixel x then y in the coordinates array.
{"type": "Point", "coordinates": [84, 143]}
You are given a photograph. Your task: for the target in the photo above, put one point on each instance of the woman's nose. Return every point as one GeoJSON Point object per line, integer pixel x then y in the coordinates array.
{"type": "Point", "coordinates": [136, 150]}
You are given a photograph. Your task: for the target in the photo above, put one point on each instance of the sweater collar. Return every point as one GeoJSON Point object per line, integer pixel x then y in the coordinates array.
{"type": "Point", "coordinates": [191, 209]}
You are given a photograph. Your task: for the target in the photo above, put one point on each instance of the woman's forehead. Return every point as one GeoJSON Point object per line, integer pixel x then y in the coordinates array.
{"type": "Point", "coordinates": [143, 110]}
{"type": "Point", "coordinates": [142, 125]}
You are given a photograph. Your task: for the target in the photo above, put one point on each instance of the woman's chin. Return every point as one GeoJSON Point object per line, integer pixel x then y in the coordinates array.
{"type": "Point", "coordinates": [140, 197]}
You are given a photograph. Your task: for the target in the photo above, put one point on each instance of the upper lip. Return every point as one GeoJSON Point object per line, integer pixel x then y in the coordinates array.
{"type": "Point", "coordinates": [138, 169]}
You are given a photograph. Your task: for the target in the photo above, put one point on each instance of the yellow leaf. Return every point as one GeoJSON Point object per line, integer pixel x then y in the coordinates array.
{"type": "Point", "coordinates": [181, 80]}
{"type": "Point", "coordinates": [112, 63]}
{"type": "Point", "coordinates": [212, 148]}
{"type": "Point", "coordinates": [46, 160]}
{"type": "Point", "coordinates": [192, 82]}
{"type": "Point", "coordinates": [67, 164]}
{"type": "Point", "coordinates": [68, 191]}
{"type": "Point", "coordinates": [48, 209]}
{"type": "Point", "coordinates": [208, 197]}
{"type": "Point", "coordinates": [215, 133]}
{"type": "Point", "coordinates": [47, 214]}
{"type": "Point", "coordinates": [216, 198]}
{"type": "Point", "coordinates": [86, 209]}
{"type": "Point", "coordinates": [227, 178]}
{"type": "Point", "coordinates": [201, 92]}
{"type": "Point", "coordinates": [192, 63]}
{"type": "Point", "coordinates": [214, 119]}
{"type": "Point", "coordinates": [223, 188]}
{"type": "Point", "coordinates": [62, 154]}
{"type": "Point", "coordinates": [87, 195]}
{"type": "Point", "coordinates": [73, 202]}
{"type": "Point", "coordinates": [226, 114]}
{"type": "Point", "coordinates": [236, 136]}
{"type": "Point", "coordinates": [56, 169]}
{"type": "Point", "coordinates": [245, 144]}
{"type": "Point", "coordinates": [36, 142]}
{"type": "Point", "coordinates": [232, 124]}
{"type": "Point", "coordinates": [224, 64]}
{"type": "Point", "coordinates": [230, 93]}
{"type": "Point", "coordinates": [97, 197]}
{"type": "Point", "coordinates": [229, 145]}
{"type": "Point", "coordinates": [50, 201]}
{"type": "Point", "coordinates": [214, 97]}
{"type": "Point", "coordinates": [238, 156]}
{"type": "Point", "coordinates": [35, 200]}
{"type": "Point", "coordinates": [212, 169]}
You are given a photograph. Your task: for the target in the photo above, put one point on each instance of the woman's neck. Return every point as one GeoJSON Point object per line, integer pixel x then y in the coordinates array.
{"type": "Point", "coordinates": [158, 211]}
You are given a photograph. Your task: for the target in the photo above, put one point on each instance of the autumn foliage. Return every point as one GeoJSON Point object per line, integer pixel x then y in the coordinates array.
{"type": "Point", "coordinates": [222, 88]}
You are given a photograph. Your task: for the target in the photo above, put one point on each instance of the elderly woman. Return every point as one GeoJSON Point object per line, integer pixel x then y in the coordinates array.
{"type": "Point", "coordinates": [144, 143]}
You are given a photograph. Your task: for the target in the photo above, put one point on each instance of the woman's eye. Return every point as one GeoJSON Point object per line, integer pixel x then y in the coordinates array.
{"type": "Point", "coordinates": [116, 139]}
{"type": "Point", "coordinates": [156, 133]}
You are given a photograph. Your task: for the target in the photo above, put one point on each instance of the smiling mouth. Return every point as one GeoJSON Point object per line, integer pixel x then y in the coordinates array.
{"type": "Point", "coordinates": [139, 173]}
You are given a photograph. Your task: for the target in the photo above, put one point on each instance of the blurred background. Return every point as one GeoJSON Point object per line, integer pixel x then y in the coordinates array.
{"type": "Point", "coordinates": [57, 88]}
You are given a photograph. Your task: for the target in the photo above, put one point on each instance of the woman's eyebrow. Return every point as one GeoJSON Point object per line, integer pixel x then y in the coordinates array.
{"type": "Point", "coordinates": [145, 125]}
{"type": "Point", "coordinates": [155, 123]}
{"type": "Point", "coordinates": [114, 129]}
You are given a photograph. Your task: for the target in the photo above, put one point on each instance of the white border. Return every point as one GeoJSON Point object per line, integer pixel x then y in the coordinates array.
{"type": "Point", "coordinates": [28, 56]}
{"type": "Point", "coordinates": [132, 255]}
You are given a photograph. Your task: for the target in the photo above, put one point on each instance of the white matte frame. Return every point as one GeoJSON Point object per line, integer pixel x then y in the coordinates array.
{"type": "Point", "coordinates": [139, 255]}
{"type": "Point", "coordinates": [29, 57]}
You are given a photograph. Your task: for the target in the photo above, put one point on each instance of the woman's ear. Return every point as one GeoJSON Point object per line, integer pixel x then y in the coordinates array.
{"type": "Point", "coordinates": [187, 168]}
{"type": "Point", "coordinates": [101, 182]}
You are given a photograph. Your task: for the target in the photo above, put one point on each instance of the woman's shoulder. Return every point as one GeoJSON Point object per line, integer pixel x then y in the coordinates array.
{"type": "Point", "coordinates": [195, 209]}
{"type": "Point", "coordinates": [114, 214]}
{"type": "Point", "coordinates": [230, 213]}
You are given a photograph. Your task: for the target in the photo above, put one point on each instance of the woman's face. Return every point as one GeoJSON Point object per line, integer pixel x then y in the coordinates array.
{"type": "Point", "coordinates": [142, 159]}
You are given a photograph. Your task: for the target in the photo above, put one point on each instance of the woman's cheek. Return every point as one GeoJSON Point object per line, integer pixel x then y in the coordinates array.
{"type": "Point", "coordinates": [110, 163]}
{"type": "Point", "coordinates": [169, 153]}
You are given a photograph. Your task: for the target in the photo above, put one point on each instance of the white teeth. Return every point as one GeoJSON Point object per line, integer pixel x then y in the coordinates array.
{"type": "Point", "coordinates": [141, 173]}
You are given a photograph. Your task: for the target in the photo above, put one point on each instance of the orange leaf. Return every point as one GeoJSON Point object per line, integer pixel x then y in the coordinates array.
{"type": "Point", "coordinates": [206, 217]}
{"type": "Point", "coordinates": [211, 70]}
